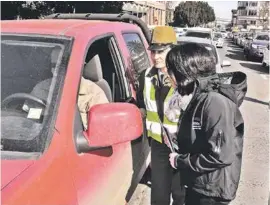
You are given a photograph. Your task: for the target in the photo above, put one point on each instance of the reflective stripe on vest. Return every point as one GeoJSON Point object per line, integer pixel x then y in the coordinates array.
{"type": "Point", "coordinates": [152, 119]}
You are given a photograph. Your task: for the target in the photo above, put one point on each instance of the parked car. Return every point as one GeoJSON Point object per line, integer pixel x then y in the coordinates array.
{"type": "Point", "coordinates": [234, 34]}
{"type": "Point", "coordinates": [245, 38]}
{"type": "Point", "coordinates": [265, 62]}
{"type": "Point", "coordinates": [210, 46]}
{"type": "Point", "coordinates": [218, 40]}
{"type": "Point", "coordinates": [199, 33]}
{"type": "Point", "coordinates": [46, 155]}
{"type": "Point", "coordinates": [239, 39]}
{"type": "Point", "coordinates": [224, 34]}
{"type": "Point", "coordinates": [180, 31]}
{"type": "Point", "coordinates": [255, 48]}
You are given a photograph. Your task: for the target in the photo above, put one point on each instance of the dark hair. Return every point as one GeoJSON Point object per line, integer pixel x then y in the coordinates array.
{"type": "Point", "coordinates": [188, 62]}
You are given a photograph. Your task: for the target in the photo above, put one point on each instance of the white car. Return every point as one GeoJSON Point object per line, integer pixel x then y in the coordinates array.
{"type": "Point", "coordinates": [199, 33]}
{"type": "Point", "coordinates": [265, 62]}
{"type": "Point", "coordinates": [179, 31]}
{"type": "Point", "coordinates": [210, 46]}
{"type": "Point", "coordinates": [224, 34]}
{"type": "Point", "coordinates": [218, 40]}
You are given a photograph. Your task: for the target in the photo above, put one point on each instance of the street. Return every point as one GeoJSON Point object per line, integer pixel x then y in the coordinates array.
{"type": "Point", "coordinates": [254, 183]}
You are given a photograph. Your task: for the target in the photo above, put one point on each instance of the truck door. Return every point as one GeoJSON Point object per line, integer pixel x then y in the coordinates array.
{"type": "Point", "coordinates": [102, 176]}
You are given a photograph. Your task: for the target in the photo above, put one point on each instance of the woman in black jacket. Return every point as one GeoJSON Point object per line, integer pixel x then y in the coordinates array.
{"type": "Point", "coordinates": [211, 127]}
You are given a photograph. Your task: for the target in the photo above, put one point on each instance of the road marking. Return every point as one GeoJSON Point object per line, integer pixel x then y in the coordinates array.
{"type": "Point", "coordinates": [265, 77]}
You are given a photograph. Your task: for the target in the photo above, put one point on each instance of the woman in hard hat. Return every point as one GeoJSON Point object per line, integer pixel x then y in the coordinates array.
{"type": "Point", "coordinates": [154, 92]}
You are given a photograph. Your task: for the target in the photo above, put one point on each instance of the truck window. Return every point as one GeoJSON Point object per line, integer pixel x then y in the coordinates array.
{"type": "Point", "coordinates": [100, 59]}
{"type": "Point", "coordinates": [137, 52]}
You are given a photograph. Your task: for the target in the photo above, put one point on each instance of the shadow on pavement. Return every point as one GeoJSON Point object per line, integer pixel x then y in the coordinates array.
{"type": "Point", "coordinates": [238, 52]}
{"type": "Point", "coordinates": [256, 101]}
{"type": "Point", "coordinates": [233, 45]}
{"type": "Point", "coordinates": [235, 56]}
{"type": "Point", "coordinates": [256, 67]}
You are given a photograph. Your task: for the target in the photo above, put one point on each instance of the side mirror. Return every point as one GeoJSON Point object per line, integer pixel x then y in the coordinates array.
{"type": "Point", "coordinates": [225, 63]}
{"type": "Point", "coordinates": [110, 124]}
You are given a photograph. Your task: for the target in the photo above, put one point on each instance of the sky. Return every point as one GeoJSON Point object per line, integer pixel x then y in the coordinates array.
{"type": "Point", "coordinates": [223, 8]}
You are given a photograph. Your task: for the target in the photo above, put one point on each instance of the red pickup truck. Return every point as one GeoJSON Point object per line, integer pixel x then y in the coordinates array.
{"type": "Point", "coordinates": [46, 156]}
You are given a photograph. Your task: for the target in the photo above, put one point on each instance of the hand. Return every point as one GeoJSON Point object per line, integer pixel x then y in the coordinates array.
{"type": "Point", "coordinates": [166, 141]}
{"type": "Point", "coordinates": [173, 157]}
{"type": "Point", "coordinates": [143, 113]}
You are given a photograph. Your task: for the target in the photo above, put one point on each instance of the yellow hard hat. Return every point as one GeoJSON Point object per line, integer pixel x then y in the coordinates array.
{"type": "Point", "coordinates": [162, 38]}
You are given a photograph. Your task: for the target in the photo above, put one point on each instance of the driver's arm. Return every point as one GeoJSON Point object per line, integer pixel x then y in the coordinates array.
{"type": "Point", "coordinates": [90, 94]}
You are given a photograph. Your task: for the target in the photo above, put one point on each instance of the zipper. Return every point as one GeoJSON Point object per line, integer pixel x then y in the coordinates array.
{"type": "Point", "coordinates": [218, 142]}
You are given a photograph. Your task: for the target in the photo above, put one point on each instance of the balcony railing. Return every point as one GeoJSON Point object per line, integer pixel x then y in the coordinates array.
{"type": "Point", "coordinates": [241, 7]}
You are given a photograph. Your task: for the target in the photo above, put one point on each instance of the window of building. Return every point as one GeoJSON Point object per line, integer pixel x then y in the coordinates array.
{"type": "Point", "coordinates": [242, 3]}
{"type": "Point", "coordinates": [149, 16]}
{"type": "Point", "coordinates": [253, 22]}
{"type": "Point", "coordinates": [253, 3]}
{"type": "Point", "coordinates": [252, 12]}
{"type": "Point", "coordinates": [242, 12]}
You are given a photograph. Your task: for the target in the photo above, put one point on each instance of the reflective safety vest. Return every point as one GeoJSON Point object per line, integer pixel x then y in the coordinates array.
{"type": "Point", "coordinates": [153, 126]}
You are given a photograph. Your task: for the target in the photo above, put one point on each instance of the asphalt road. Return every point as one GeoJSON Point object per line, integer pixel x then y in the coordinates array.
{"type": "Point", "coordinates": [254, 184]}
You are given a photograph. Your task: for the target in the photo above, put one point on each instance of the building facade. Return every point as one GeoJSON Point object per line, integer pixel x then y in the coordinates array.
{"type": "Point", "coordinates": [252, 14]}
{"type": "Point", "coordinates": [151, 12]}
{"type": "Point", "coordinates": [234, 17]}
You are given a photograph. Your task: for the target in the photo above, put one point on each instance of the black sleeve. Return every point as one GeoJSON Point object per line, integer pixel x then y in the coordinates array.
{"type": "Point", "coordinates": [140, 97]}
{"type": "Point", "coordinates": [219, 133]}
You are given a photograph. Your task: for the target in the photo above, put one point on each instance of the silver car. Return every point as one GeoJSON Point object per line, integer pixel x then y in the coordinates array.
{"type": "Point", "coordinates": [257, 46]}
{"type": "Point", "coordinates": [265, 62]}
{"type": "Point", "coordinates": [218, 40]}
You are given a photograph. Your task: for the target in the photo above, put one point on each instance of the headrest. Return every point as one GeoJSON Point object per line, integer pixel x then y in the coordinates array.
{"type": "Point", "coordinates": [93, 70]}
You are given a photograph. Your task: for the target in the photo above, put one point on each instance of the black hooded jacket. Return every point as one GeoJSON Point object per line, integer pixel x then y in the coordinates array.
{"type": "Point", "coordinates": [210, 137]}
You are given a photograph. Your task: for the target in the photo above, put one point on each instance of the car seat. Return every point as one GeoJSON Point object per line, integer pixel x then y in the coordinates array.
{"type": "Point", "coordinates": [93, 71]}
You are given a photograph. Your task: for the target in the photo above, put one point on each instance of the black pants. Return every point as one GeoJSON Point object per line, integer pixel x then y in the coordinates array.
{"type": "Point", "coordinates": [194, 198]}
{"type": "Point", "coordinates": [164, 179]}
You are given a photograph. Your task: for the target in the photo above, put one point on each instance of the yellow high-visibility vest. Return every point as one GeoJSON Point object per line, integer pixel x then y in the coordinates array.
{"type": "Point", "coordinates": [153, 126]}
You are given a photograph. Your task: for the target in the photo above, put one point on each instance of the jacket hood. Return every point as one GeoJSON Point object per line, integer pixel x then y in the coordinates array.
{"type": "Point", "coordinates": [232, 85]}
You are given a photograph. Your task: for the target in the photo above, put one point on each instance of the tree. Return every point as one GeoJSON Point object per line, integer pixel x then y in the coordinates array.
{"type": "Point", "coordinates": [11, 9]}
{"type": "Point", "coordinates": [264, 14]}
{"type": "Point", "coordinates": [37, 9]}
{"type": "Point", "coordinates": [193, 13]}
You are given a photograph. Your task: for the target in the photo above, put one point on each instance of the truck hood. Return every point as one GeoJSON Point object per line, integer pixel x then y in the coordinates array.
{"type": "Point", "coordinates": [10, 169]}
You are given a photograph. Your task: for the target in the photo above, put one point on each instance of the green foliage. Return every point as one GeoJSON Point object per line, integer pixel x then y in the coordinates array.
{"type": "Point", "coordinates": [10, 9]}
{"type": "Point", "coordinates": [193, 13]}
{"type": "Point", "coordinates": [37, 9]}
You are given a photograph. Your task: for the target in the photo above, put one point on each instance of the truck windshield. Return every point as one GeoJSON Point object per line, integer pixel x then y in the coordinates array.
{"type": "Point", "coordinates": [29, 73]}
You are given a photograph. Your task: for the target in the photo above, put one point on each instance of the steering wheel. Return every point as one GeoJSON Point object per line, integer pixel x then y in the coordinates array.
{"type": "Point", "coordinates": [24, 96]}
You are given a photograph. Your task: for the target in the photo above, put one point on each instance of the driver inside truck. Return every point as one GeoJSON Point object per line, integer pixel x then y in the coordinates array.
{"type": "Point", "coordinates": [90, 94]}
